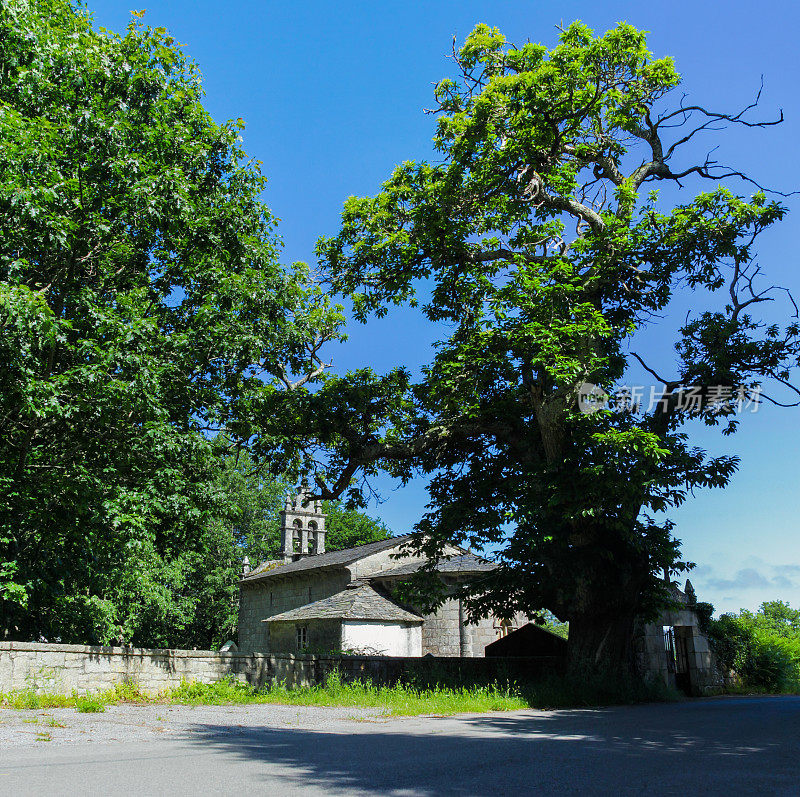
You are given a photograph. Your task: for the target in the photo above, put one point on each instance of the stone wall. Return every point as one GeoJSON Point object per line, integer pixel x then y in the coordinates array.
{"type": "Point", "coordinates": [64, 668]}
{"type": "Point", "coordinates": [321, 635]}
{"type": "Point", "coordinates": [446, 632]}
{"type": "Point", "coordinates": [703, 675]}
{"type": "Point", "coordinates": [261, 599]}
{"type": "Point", "coordinates": [67, 668]}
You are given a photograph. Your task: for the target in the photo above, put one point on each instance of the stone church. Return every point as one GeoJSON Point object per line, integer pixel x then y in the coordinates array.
{"type": "Point", "coordinates": [318, 601]}
{"type": "Point", "coordinates": [311, 600]}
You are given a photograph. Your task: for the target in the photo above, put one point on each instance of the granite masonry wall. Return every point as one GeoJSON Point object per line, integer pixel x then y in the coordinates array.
{"type": "Point", "coordinates": [261, 599]}
{"type": "Point", "coordinates": [323, 635]}
{"type": "Point", "coordinates": [66, 668]}
{"type": "Point", "coordinates": [446, 632]}
{"type": "Point", "coordinates": [702, 675]}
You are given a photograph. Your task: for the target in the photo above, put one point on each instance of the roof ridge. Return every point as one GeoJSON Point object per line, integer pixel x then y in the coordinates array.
{"type": "Point", "coordinates": [362, 544]}
{"type": "Point", "coordinates": [340, 558]}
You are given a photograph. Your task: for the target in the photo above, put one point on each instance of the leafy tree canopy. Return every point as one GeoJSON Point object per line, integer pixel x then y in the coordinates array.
{"type": "Point", "coordinates": [544, 250]}
{"type": "Point", "coordinates": [142, 310]}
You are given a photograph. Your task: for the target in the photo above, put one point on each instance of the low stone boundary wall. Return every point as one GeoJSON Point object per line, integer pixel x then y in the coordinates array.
{"type": "Point", "coordinates": [46, 667]}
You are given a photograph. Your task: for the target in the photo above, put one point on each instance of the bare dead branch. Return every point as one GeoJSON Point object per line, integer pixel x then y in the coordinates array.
{"type": "Point", "coordinates": [669, 384]}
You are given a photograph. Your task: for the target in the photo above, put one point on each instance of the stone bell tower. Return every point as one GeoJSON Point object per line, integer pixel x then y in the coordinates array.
{"type": "Point", "coordinates": [302, 525]}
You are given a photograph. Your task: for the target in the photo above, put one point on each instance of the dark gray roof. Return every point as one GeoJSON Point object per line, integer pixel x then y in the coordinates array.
{"type": "Point", "coordinates": [357, 602]}
{"type": "Point", "coordinates": [465, 563]}
{"type": "Point", "coordinates": [332, 559]}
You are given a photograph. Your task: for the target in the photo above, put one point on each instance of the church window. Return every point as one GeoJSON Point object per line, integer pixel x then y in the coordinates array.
{"type": "Point", "coordinates": [302, 637]}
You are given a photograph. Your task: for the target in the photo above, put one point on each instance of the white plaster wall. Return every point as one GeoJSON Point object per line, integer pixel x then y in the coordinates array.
{"type": "Point", "coordinates": [390, 639]}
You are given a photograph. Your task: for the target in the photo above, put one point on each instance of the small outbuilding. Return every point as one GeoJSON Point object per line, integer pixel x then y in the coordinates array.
{"type": "Point", "coordinates": [530, 640]}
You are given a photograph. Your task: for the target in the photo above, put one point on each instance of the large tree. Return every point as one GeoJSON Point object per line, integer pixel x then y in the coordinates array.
{"type": "Point", "coordinates": [143, 309]}
{"type": "Point", "coordinates": [539, 245]}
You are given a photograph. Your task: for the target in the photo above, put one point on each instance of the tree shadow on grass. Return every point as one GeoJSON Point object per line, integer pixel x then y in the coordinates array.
{"type": "Point", "coordinates": [710, 748]}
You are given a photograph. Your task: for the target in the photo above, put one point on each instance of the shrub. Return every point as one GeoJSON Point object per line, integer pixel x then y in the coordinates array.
{"type": "Point", "coordinates": [771, 664]}
{"type": "Point", "coordinates": [762, 650]}
{"type": "Point", "coordinates": [89, 705]}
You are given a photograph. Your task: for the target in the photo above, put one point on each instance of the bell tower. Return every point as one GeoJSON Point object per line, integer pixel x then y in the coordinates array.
{"type": "Point", "coordinates": [302, 525]}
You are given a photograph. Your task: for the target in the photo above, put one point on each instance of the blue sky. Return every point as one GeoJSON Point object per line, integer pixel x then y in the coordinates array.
{"type": "Point", "coordinates": [333, 96]}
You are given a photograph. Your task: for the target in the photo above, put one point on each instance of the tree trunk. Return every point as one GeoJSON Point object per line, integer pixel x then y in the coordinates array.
{"type": "Point", "coordinates": [602, 641]}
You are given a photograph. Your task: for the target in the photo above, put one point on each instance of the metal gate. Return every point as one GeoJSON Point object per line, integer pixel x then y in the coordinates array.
{"type": "Point", "coordinates": [669, 648]}
{"type": "Point", "coordinates": [677, 658]}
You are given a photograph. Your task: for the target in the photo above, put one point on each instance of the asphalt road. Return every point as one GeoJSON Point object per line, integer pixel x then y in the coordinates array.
{"type": "Point", "coordinates": [729, 746]}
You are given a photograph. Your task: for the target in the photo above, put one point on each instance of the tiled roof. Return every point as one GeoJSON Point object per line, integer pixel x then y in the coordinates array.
{"type": "Point", "coordinates": [356, 602]}
{"type": "Point", "coordinates": [270, 564]}
{"type": "Point", "coordinates": [331, 559]}
{"type": "Point", "coordinates": [466, 563]}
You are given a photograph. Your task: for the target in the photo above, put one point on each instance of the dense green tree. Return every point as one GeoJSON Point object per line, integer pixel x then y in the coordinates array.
{"type": "Point", "coordinates": [779, 617]}
{"type": "Point", "coordinates": [537, 243]}
{"type": "Point", "coordinates": [143, 309]}
{"type": "Point", "coordinates": [347, 527]}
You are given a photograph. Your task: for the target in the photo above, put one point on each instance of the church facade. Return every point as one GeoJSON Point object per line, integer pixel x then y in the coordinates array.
{"type": "Point", "coordinates": [312, 600]}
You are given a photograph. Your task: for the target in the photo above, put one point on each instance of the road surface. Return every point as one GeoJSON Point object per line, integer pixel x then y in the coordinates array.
{"type": "Point", "coordinates": [716, 746]}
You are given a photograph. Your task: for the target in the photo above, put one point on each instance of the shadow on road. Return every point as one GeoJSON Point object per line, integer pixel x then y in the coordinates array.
{"type": "Point", "coordinates": [735, 746]}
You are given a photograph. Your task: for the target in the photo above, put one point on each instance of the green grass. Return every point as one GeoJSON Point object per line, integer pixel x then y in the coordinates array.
{"type": "Point", "coordinates": [87, 703]}
{"type": "Point", "coordinates": [90, 704]}
{"type": "Point", "coordinates": [30, 699]}
{"type": "Point", "coordinates": [400, 700]}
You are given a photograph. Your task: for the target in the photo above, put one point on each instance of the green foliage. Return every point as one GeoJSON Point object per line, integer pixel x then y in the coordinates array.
{"type": "Point", "coordinates": [704, 613]}
{"type": "Point", "coordinates": [245, 524]}
{"type": "Point", "coordinates": [31, 699]}
{"type": "Point", "coordinates": [89, 705]}
{"type": "Point", "coordinates": [126, 692]}
{"type": "Point", "coordinates": [142, 310]}
{"type": "Point", "coordinates": [552, 623]}
{"type": "Point", "coordinates": [761, 650]}
{"type": "Point", "coordinates": [535, 243]}
{"type": "Point", "coordinates": [401, 699]}
{"type": "Point", "coordinates": [422, 695]}
{"type": "Point", "coordinates": [347, 527]}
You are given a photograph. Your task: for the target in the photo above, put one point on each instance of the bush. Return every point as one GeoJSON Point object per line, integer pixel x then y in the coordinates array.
{"type": "Point", "coordinates": [771, 664]}
{"type": "Point", "coordinates": [89, 705]}
{"type": "Point", "coordinates": [761, 650]}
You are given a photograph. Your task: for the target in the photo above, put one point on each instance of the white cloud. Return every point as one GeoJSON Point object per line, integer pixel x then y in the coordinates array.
{"type": "Point", "coordinates": [746, 584]}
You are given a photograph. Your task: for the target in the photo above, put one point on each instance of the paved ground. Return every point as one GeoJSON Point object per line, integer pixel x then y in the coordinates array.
{"type": "Point", "coordinates": [729, 746]}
